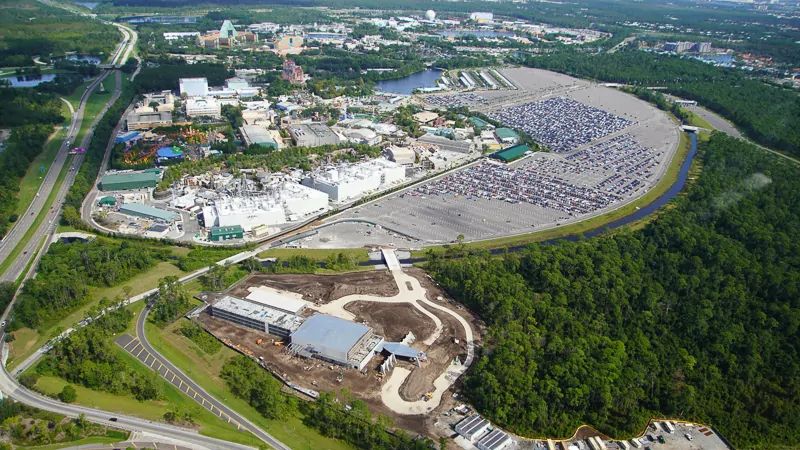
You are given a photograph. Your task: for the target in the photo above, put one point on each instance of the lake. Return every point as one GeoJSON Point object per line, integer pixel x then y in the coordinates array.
{"type": "Point", "coordinates": [426, 78]}
{"type": "Point", "coordinates": [30, 80]}
{"type": "Point", "coordinates": [476, 33]}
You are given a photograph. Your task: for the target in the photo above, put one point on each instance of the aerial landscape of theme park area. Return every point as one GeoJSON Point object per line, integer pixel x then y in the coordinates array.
{"type": "Point", "coordinates": [348, 224]}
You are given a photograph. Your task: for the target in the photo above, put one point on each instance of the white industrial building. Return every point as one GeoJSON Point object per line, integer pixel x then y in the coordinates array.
{"type": "Point", "coordinates": [401, 155]}
{"type": "Point", "coordinates": [472, 427]}
{"type": "Point", "coordinates": [495, 440]}
{"type": "Point", "coordinates": [351, 181]}
{"type": "Point", "coordinates": [203, 106]}
{"type": "Point", "coordinates": [283, 203]}
{"type": "Point", "coordinates": [194, 87]}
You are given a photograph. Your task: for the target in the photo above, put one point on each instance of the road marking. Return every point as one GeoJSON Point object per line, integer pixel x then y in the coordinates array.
{"type": "Point", "coordinates": [129, 343]}
{"type": "Point", "coordinates": [151, 364]}
{"type": "Point", "coordinates": [140, 352]}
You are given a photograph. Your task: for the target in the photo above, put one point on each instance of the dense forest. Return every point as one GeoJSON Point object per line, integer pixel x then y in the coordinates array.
{"type": "Point", "coordinates": [166, 75]}
{"type": "Point", "coordinates": [31, 28]}
{"type": "Point", "coordinates": [695, 316]}
{"type": "Point", "coordinates": [67, 271]}
{"type": "Point", "coordinates": [28, 106]}
{"type": "Point", "coordinates": [768, 114]}
{"type": "Point", "coordinates": [24, 144]}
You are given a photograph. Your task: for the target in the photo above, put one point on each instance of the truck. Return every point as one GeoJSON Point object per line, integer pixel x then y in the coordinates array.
{"type": "Point", "coordinates": [669, 427]}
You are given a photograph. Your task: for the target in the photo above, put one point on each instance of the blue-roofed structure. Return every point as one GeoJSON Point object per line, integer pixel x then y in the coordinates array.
{"type": "Point", "coordinates": [404, 351]}
{"type": "Point", "coordinates": [148, 212]}
{"type": "Point", "coordinates": [336, 340]}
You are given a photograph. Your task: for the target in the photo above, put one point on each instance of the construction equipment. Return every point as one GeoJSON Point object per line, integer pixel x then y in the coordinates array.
{"type": "Point", "coordinates": [259, 341]}
{"type": "Point", "coordinates": [277, 343]}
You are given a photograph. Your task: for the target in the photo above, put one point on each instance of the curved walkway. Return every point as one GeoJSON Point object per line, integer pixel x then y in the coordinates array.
{"type": "Point", "coordinates": [411, 292]}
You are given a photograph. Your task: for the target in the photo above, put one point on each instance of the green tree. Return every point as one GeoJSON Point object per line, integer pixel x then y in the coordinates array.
{"type": "Point", "coordinates": [68, 394]}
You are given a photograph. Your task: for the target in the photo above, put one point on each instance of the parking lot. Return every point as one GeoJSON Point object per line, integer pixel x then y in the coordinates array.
{"type": "Point", "coordinates": [594, 174]}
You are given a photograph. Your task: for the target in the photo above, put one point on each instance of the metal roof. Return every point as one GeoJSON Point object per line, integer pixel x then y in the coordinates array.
{"type": "Point", "coordinates": [472, 425]}
{"type": "Point", "coordinates": [129, 177]}
{"type": "Point", "coordinates": [149, 211]}
{"type": "Point", "coordinates": [332, 332]}
{"type": "Point", "coordinates": [503, 133]}
{"type": "Point", "coordinates": [497, 439]}
{"type": "Point", "coordinates": [277, 300]}
{"type": "Point", "coordinates": [511, 153]}
{"type": "Point", "coordinates": [403, 350]}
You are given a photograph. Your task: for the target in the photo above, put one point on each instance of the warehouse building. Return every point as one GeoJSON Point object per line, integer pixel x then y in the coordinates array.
{"type": "Point", "coordinates": [447, 144]}
{"type": "Point", "coordinates": [496, 440]}
{"type": "Point", "coordinates": [257, 316]}
{"type": "Point", "coordinates": [472, 427]}
{"type": "Point", "coordinates": [259, 135]}
{"type": "Point", "coordinates": [203, 106]}
{"type": "Point", "coordinates": [511, 153]}
{"type": "Point", "coordinates": [194, 87]}
{"type": "Point", "coordinates": [507, 135]}
{"type": "Point", "coordinates": [128, 181]}
{"type": "Point", "coordinates": [148, 120]}
{"type": "Point", "coordinates": [226, 233]}
{"type": "Point", "coordinates": [404, 156]}
{"type": "Point", "coordinates": [350, 181]}
{"type": "Point", "coordinates": [148, 212]}
{"type": "Point", "coordinates": [335, 340]}
{"type": "Point", "coordinates": [313, 135]}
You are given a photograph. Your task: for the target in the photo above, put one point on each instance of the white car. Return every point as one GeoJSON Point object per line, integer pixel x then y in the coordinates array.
{"type": "Point", "coordinates": [688, 436]}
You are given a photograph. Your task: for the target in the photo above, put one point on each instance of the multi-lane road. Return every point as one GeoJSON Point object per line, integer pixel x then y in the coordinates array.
{"type": "Point", "coordinates": [24, 223]}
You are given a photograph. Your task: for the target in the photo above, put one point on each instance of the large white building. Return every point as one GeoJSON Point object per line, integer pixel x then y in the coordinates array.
{"type": "Point", "coordinates": [350, 181]}
{"type": "Point", "coordinates": [283, 203]}
{"type": "Point", "coordinates": [482, 16]}
{"type": "Point", "coordinates": [203, 106]}
{"type": "Point", "coordinates": [194, 87]}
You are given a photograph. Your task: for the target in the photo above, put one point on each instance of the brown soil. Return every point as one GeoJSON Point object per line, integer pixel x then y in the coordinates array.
{"type": "Point", "coordinates": [392, 321]}
{"type": "Point", "coordinates": [325, 288]}
{"type": "Point", "coordinates": [440, 355]}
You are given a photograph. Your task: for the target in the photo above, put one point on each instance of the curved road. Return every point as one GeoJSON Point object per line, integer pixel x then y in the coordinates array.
{"type": "Point", "coordinates": [246, 424]}
{"type": "Point", "coordinates": [12, 389]}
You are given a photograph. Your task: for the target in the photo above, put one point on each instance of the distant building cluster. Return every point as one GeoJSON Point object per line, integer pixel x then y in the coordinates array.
{"type": "Point", "coordinates": [683, 47]}
{"type": "Point", "coordinates": [227, 36]}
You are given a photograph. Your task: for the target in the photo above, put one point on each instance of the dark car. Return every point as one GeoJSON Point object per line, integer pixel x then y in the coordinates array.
{"type": "Point", "coordinates": [113, 419]}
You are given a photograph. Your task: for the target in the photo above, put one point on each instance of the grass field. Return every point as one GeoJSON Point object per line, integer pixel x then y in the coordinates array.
{"type": "Point", "coordinates": [663, 186]}
{"type": "Point", "coordinates": [85, 441]}
{"type": "Point", "coordinates": [208, 423]}
{"type": "Point", "coordinates": [94, 105]}
{"type": "Point", "coordinates": [204, 369]}
{"type": "Point", "coordinates": [320, 255]}
{"type": "Point", "coordinates": [27, 340]}
{"type": "Point", "coordinates": [697, 121]}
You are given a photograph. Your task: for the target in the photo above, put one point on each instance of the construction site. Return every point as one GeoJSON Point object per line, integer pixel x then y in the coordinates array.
{"type": "Point", "coordinates": [410, 342]}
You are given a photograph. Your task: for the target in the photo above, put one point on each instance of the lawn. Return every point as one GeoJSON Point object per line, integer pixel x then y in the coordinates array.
{"type": "Point", "coordinates": [320, 254]}
{"type": "Point", "coordinates": [85, 441]}
{"type": "Point", "coordinates": [208, 423]}
{"type": "Point", "coordinates": [697, 121]}
{"type": "Point", "coordinates": [94, 106]}
{"type": "Point", "coordinates": [27, 340]}
{"type": "Point", "coordinates": [663, 186]}
{"type": "Point", "coordinates": [204, 369]}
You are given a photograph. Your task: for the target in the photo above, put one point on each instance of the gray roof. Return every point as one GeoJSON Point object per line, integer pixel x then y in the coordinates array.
{"type": "Point", "coordinates": [332, 332]}
{"type": "Point", "coordinates": [403, 350]}
{"type": "Point", "coordinates": [471, 425]}
{"type": "Point", "coordinates": [494, 440]}
{"type": "Point", "coordinates": [149, 211]}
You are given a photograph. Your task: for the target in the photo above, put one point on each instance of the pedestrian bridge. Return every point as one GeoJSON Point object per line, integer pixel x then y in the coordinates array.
{"type": "Point", "coordinates": [390, 258]}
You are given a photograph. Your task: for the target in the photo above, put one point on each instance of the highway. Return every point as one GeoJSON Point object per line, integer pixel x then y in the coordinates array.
{"type": "Point", "coordinates": [25, 222]}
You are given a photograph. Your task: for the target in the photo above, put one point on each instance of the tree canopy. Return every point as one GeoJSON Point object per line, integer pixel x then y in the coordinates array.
{"type": "Point", "coordinates": [695, 316]}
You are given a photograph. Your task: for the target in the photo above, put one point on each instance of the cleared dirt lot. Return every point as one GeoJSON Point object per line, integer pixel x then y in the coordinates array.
{"type": "Point", "coordinates": [323, 288]}
{"type": "Point", "coordinates": [392, 320]}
